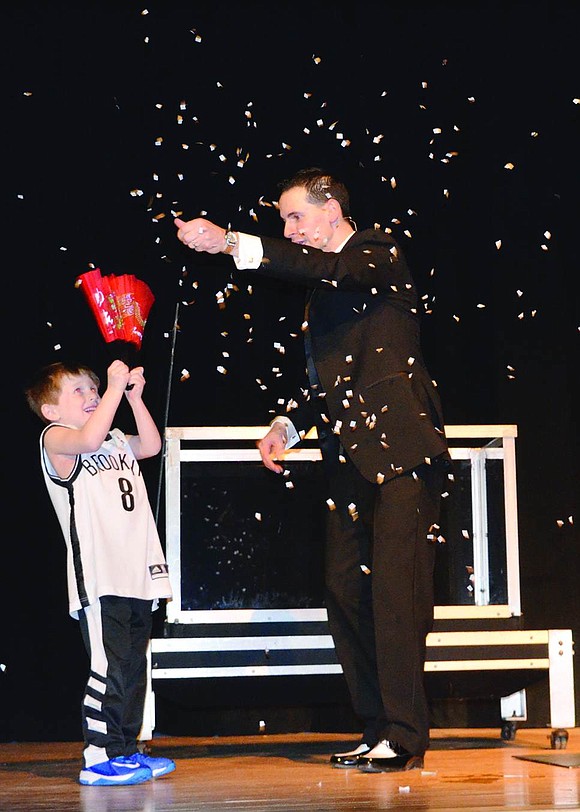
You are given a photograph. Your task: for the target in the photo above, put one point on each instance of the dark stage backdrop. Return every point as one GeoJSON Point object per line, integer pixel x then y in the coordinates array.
{"type": "Point", "coordinates": [457, 125]}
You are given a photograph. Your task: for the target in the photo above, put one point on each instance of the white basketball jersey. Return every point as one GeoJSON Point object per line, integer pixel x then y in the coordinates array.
{"type": "Point", "coordinates": [113, 546]}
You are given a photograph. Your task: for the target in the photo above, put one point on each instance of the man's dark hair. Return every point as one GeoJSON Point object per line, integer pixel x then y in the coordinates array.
{"type": "Point", "coordinates": [320, 186]}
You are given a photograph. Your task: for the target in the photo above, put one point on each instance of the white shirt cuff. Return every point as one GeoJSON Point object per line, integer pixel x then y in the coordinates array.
{"type": "Point", "coordinates": [250, 252]}
{"type": "Point", "coordinates": [291, 433]}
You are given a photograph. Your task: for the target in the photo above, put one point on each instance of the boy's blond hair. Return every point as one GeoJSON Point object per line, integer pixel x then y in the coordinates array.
{"type": "Point", "coordinates": [46, 385]}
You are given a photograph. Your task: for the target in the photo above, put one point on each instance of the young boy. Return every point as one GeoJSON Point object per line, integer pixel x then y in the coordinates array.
{"type": "Point", "coordinates": [116, 569]}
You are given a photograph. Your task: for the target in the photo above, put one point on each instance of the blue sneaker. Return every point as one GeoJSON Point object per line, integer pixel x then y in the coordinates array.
{"type": "Point", "coordinates": [116, 771]}
{"type": "Point", "coordinates": [158, 766]}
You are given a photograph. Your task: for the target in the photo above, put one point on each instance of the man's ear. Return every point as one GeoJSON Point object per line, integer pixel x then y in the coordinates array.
{"type": "Point", "coordinates": [334, 209]}
{"type": "Point", "coordinates": [49, 411]}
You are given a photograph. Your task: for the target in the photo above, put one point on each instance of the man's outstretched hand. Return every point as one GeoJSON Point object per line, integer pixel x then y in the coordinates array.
{"type": "Point", "coordinates": [201, 235]}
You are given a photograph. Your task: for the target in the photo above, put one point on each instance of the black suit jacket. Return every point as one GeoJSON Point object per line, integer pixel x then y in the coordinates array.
{"type": "Point", "coordinates": [375, 392]}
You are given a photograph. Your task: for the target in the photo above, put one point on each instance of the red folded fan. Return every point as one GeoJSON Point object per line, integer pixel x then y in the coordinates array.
{"type": "Point", "coordinates": [120, 304]}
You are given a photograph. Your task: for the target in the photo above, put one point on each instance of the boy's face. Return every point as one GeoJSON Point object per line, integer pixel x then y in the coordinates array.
{"type": "Point", "coordinates": [78, 399]}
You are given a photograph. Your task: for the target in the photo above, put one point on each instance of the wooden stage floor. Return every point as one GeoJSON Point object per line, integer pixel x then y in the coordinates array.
{"type": "Point", "coordinates": [464, 770]}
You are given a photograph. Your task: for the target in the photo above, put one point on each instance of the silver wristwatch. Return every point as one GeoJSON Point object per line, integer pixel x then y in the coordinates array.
{"type": "Point", "coordinates": [231, 239]}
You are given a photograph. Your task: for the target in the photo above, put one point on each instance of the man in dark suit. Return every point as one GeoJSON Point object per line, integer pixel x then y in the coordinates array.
{"type": "Point", "coordinates": [381, 434]}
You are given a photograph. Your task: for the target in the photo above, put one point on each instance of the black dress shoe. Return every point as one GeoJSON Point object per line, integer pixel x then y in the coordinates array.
{"type": "Point", "coordinates": [351, 757]}
{"type": "Point", "coordinates": [389, 756]}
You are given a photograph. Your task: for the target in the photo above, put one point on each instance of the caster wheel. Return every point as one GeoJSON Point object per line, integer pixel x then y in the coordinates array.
{"type": "Point", "coordinates": [508, 731]}
{"type": "Point", "coordinates": [559, 739]}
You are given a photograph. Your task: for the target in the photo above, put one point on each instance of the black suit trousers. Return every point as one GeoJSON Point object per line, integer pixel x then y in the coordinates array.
{"type": "Point", "coordinates": [379, 595]}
